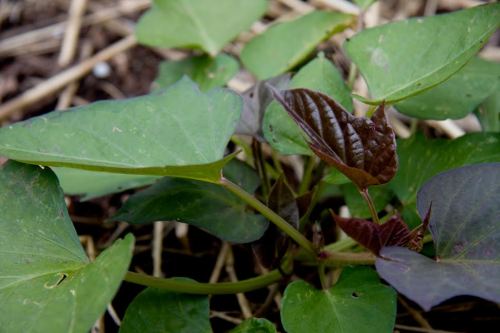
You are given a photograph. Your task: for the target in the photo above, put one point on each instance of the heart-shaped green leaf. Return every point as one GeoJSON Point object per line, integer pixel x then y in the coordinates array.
{"type": "Point", "coordinates": [357, 303]}
{"type": "Point", "coordinates": [155, 310]}
{"type": "Point", "coordinates": [177, 132]}
{"type": "Point", "coordinates": [465, 227]}
{"type": "Point", "coordinates": [46, 282]}
{"type": "Point", "coordinates": [255, 325]}
{"type": "Point", "coordinates": [206, 71]}
{"type": "Point", "coordinates": [362, 149]}
{"type": "Point", "coordinates": [403, 58]}
{"type": "Point", "coordinates": [458, 96]}
{"type": "Point", "coordinates": [204, 24]}
{"type": "Point", "coordinates": [282, 133]}
{"type": "Point", "coordinates": [207, 206]}
{"type": "Point", "coordinates": [285, 45]}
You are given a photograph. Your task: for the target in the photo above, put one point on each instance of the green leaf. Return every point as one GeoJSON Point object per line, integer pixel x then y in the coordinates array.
{"type": "Point", "coordinates": [381, 195]}
{"type": "Point", "coordinates": [420, 159]}
{"type": "Point", "coordinates": [335, 177]}
{"type": "Point", "coordinates": [458, 96]}
{"type": "Point", "coordinates": [91, 184]}
{"type": "Point", "coordinates": [207, 72]}
{"type": "Point", "coordinates": [177, 132]}
{"type": "Point", "coordinates": [464, 226]}
{"type": "Point", "coordinates": [242, 175]}
{"type": "Point", "coordinates": [155, 310]}
{"type": "Point", "coordinates": [46, 282]}
{"type": "Point", "coordinates": [489, 113]}
{"type": "Point", "coordinates": [357, 303]}
{"type": "Point", "coordinates": [208, 25]}
{"type": "Point", "coordinates": [280, 130]}
{"type": "Point", "coordinates": [403, 58]}
{"type": "Point", "coordinates": [255, 325]}
{"type": "Point", "coordinates": [285, 45]}
{"type": "Point", "coordinates": [207, 206]}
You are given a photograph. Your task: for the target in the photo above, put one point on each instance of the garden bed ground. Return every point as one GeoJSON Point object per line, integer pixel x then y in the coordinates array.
{"type": "Point", "coordinates": [32, 41]}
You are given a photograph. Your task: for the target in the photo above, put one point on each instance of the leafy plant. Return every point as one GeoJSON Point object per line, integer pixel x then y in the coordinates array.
{"type": "Point", "coordinates": [176, 140]}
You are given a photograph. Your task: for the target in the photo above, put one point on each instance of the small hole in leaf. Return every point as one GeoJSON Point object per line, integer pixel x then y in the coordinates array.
{"type": "Point", "coordinates": [355, 294]}
{"type": "Point", "coordinates": [60, 278]}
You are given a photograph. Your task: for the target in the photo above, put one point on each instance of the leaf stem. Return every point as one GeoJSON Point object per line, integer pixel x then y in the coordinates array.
{"type": "Point", "coordinates": [322, 276]}
{"type": "Point", "coordinates": [191, 287]}
{"type": "Point", "coordinates": [306, 179]}
{"type": "Point", "coordinates": [340, 245]}
{"type": "Point", "coordinates": [270, 215]}
{"type": "Point", "coordinates": [340, 259]}
{"type": "Point", "coordinates": [368, 199]}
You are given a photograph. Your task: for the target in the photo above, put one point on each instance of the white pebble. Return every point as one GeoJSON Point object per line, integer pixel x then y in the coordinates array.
{"type": "Point", "coordinates": [101, 70]}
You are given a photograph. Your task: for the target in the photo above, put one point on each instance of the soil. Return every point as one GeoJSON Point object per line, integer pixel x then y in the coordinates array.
{"type": "Point", "coordinates": [194, 254]}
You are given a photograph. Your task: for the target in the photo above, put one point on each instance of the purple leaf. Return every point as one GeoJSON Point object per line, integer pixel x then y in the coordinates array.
{"type": "Point", "coordinates": [362, 149]}
{"type": "Point", "coordinates": [465, 225]}
{"type": "Point", "coordinates": [375, 236]}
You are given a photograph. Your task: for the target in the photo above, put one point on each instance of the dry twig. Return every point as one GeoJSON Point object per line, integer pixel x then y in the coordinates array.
{"type": "Point", "coordinates": [64, 78]}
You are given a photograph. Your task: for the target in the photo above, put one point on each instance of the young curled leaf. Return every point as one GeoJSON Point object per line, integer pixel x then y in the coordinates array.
{"type": "Point", "coordinates": [375, 236]}
{"type": "Point", "coordinates": [362, 149]}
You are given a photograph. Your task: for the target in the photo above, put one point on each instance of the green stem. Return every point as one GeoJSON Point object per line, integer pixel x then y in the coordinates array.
{"type": "Point", "coordinates": [322, 276]}
{"type": "Point", "coordinates": [340, 245]}
{"type": "Point", "coordinates": [368, 199]}
{"type": "Point", "coordinates": [306, 180]}
{"type": "Point", "coordinates": [191, 287]}
{"type": "Point", "coordinates": [270, 215]}
{"type": "Point", "coordinates": [340, 259]}
{"type": "Point", "coordinates": [314, 200]}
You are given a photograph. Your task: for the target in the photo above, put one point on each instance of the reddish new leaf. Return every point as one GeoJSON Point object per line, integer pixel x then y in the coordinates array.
{"type": "Point", "coordinates": [375, 236]}
{"type": "Point", "coordinates": [362, 149]}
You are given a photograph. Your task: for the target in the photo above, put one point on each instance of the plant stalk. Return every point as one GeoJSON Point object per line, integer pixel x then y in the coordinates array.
{"type": "Point", "coordinates": [322, 276]}
{"type": "Point", "coordinates": [368, 199]}
{"type": "Point", "coordinates": [270, 215]}
{"type": "Point", "coordinates": [192, 287]}
{"type": "Point", "coordinates": [340, 259]}
{"type": "Point", "coordinates": [306, 180]}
